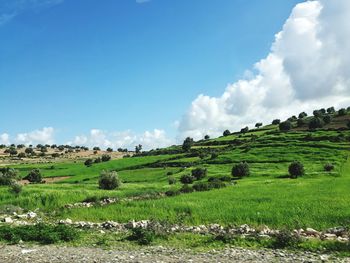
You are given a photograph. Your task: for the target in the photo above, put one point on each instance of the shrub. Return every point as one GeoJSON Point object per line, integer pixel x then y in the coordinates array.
{"type": "Point", "coordinates": [172, 192]}
{"type": "Point", "coordinates": [199, 173]}
{"type": "Point", "coordinates": [342, 112]}
{"type": "Point", "coordinates": [316, 123]}
{"type": "Point", "coordinates": [169, 173]}
{"type": "Point", "coordinates": [171, 180]}
{"type": "Point", "coordinates": [206, 137]}
{"type": "Point", "coordinates": [8, 176]}
{"type": "Point", "coordinates": [186, 189]}
{"type": "Point", "coordinates": [21, 155]}
{"type": "Point", "coordinates": [301, 122]}
{"type": "Point", "coordinates": [42, 233]}
{"type": "Point", "coordinates": [328, 167]}
{"type": "Point", "coordinates": [244, 130]}
{"type": "Point", "coordinates": [296, 169]}
{"type": "Point", "coordinates": [302, 115]}
{"type": "Point", "coordinates": [327, 119]}
{"type": "Point", "coordinates": [88, 162]}
{"type": "Point", "coordinates": [348, 124]}
{"type": "Point", "coordinates": [105, 158]}
{"type": "Point", "coordinates": [216, 184]}
{"type": "Point", "coordinates": [16, 188]}
{"type": "Point", "coordinates": [96, 148]}
{"type": "Point", "coordinates": [186, 179]}
{"type": "Point", "coordinates": [284, 239]}
{"type": "Point", "coordinates": [29, 150]}
{"type": "Point", "coordinates": [201, 186]}
{"type": "Point", "coordinates": [240, 170]}
{"type": "Point", "coordinates": [109, 180]}
{"type": "Point", "coordinates": [330, 110]}
{"type": "Point", "coordinates": [109, 149]}
{"type": "Point", "coordinates": [226, 133]}
{"type": "Point", "coordinates": [34, 176]}
{"type": "Point", "coordinates": [276, 122]}
{"type": "Point", "coordinates": [98, 160]}
{"type": "Point", "coordinates": [285, 126]}
{"type": "Point", "coordinates": [293, 118]}
{"type": "Point", "coordinates": [142, 236]}
{"type": "Point", "coordinates": [317, 113]}
{"type": "Point", "coordinates": [55, 155]}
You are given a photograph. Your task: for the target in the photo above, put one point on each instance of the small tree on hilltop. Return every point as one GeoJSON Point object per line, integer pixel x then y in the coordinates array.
{"type": "Point", "coordinates": [245, 130]}
{"type": "Point", "coordinates": [206, 137]}
{"type": "Point", "coordinates": [285, 126]}
{"type": "Point", "coordinates": [302, 115]}
{"type": "Point", "coordinates": [330, 110]}
{"type": "Point", "coordinates": [258, 125]}
{"type": "Point", "coordinates": [226, 133]}
{"type": "Point", "coordinates": [296, 169]}
{"type": "Point", "coordinates": [316, 123]}
{"type": "Point", "coordinates": [109, 180]}
{"type": "Point", "coordinates": [187, 144]}
{"type": "Point", "coordinates": [240, 170]}
{"type": "Point", "coordinates": [34, 176]}
{"type": "Point", "coordinates": [109, 149]}
{"type": "Point", "coordinates": [88, 162]}
{"type": "Point", "coordinates": [138, 148]}
{"type": "Point", "coordinates": [276, 122]}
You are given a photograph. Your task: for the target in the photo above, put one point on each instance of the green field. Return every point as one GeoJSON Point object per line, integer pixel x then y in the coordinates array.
{"type": "Point", "coordinates": [268, 196]}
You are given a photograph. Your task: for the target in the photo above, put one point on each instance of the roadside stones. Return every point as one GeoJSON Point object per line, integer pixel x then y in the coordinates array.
{"type": "Point", "coordinates": [65, 222]}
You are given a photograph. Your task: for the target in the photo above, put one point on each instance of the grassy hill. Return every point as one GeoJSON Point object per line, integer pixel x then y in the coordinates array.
{"type": "Point", "coordinates": [319, 199]}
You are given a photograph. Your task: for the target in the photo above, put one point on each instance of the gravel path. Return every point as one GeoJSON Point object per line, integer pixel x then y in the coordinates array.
{"type": "Point", "coordinates": [53, 254]}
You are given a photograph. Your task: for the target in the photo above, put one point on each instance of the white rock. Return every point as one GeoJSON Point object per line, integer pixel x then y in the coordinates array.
{"type": "Point", "coordinates": [8, 220]}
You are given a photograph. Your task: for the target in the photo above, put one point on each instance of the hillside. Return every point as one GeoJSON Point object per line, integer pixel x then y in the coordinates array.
{"type": "Point", "coordinates": [267, 197]}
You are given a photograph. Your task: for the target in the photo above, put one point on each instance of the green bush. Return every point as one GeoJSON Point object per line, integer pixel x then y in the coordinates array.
{"type": "Point", "coordinates": [328, 167]}
{"type": "Point", "coordinates": [199, 173]}
{"type": "Point", "coordinates": [142, 236]}
{"type": "Point", "coordinates": [296, 169]}
{"type": "Point", "coordinates": [187, 179]}
{"type": "Point", "coordinates": [327, 119]}
{"type": "Point", "coordinates": [240, 170]}
{"type": "Point", "coordinates": [285, 126]}
{"type": "Point", "coordinates": [105, 158]}
{"type": "Point", "coordinates": [171, 180]}
{"type": "Point", "coordinates": [186, 189]}
{"type": "Point", "coordinates": [8, 176]}
{"type": "Point", "coordinates": [276, 122]}
{"type": "Point", "coordinates": [172, 192]}
{"type": "Point", "coordinates": [34, 176]}
{"type": "Point", "coordinates": [284, 239]}
{"type": "Point", "coordinates": [316, 123]}
{"type": "Point", "coordinates": [342, 112]}
{"type": "Point", "coordinates": [88, 162]}
{"type": "Point", "coordinates": [16, 188]}
{"type": "Point", "coordinates": [201, 186]}
{"type": "Point", "coordinates": [109, 180]}
{"type": "Point", "coordinates": [41, 233]}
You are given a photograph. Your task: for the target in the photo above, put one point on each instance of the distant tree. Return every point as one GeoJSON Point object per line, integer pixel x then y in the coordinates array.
{"type": "Point", "coordinates": [316, 123]}
{"type": "Point", "coordinates": [226, 133]}
{"type": "Point", "coordinates": [53, 146]}
{"type": "Point", "coordinates": [21, 155]}
{"type": "Point", "coordinates": [342, 112]}
{"type": "Point", "coordinates": [43, 149]}
{"type": "Point", "coordinates": [39, 146]}
{"type": "Point", "coordinates": [327, 119]}
{"type": "Point", "coordinates": [20, 146]}
{"type": "Point", "coordinates": [293, 118]}
{"type": "Point", "coordinates": [187, 144]}
{"type": "Point", "coordinates": [29, 150]}
{"type": "Point", "coordinates": [109, 149]}
{"type": "Point", "coordinates": [301, 122]}
{"type": "Point", "coordinates": [302, 115]}
{"type": "Point", "coordinates": [240, 170]}
{"type": "Point", "coordinates": [348, 124]}
{"type": "Point", "coordinates": [296, 169]}
{"type": "Point", "coordinates": [323, 111]}
{"type": "Point", "coordinates": [120, 150]}
{"type": "Point", "coordinates": [109, 180]}
{"type": "Point", "coordinates": [15, 188]}
{"type": "Point", "coordinates": [258, 125]}
{"type": "Point", "coordinates": [98, 160]}
{"type": "Point", "coordinates": [330, 110]}
{"type": "Point", "coordinates": [13, 151]}
{"type": "Point", "coordinates": [138, 148]}
{"type": "Point", "coordinates": [285, 126]}
{"type": "Point", "coordinates": [55, 155]}
{"type": "Point", "coordinates": [317, 113]}
{"type": "Point", "coordinates": [276, 122]}
{"type": "Point", "coordinates": [105, 158]}
{"type": "Point", "coordinates": [245, 130]}
{"type": "Point", "coordinates": [88, 162]}
{"type": "Point", "coordinates": [206, 137]}
{"type": "Point", "coordinates": [34, 176]}
{"type": "Point", "coordinates": [2, 146]}
{"type": "Point", "coordinates": [187, 179]}
{"type": "Point", "coordinates": [61, 148]}
{"type": "Point", "coordinates": [96, 148]}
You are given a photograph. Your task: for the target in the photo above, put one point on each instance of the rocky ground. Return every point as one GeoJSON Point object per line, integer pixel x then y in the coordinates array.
{"type": "Point", "coordinates": [53, 254]}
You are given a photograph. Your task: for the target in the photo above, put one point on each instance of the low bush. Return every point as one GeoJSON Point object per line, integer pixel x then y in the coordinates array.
{"type": "Point", "coordinates": [172, 192]}
{"type": "Point", "coordinates": [316, 123]}
{"type": "Point", "coordinates": [8, 176]}
{"type": "Point", "coordinates": [187, 179]}
{"type": "Point", "coordinates": [199, 173]}
{"type": "Point", "coordinates": [171, 180]}
{"type": "Point", "coordinates": [328, 167]}
{"type": "Point", "coordinates": [285, 239]}
{"type": "Point", "coordinates": [216, 184]}
{"type": "Point", "coordinates": [109, 180]}
{"type": "Point", "coordinates": [41, 233]}
{"type": "Point", "coordinates": [186, 189]}
{"type": "Point", "coordinates": [34, 176]}
{"type": "Point", "coordinates": [201, 186]}
{"type": "Point", "coordinates": [240, 170]}
{"type": "Point", "coordinates": [91, 199]}
{"type": "Point", "coordinates": [105, 158]}
{"type": "Point", "coordinates": [145, 236]}
{"type": "Point", "coordinates": [296, 169]}
{"type": "Point", "coordinates": [16, 188]}
{"type": "Point", "coordinates": [88, 162]}
{"type": "Point", "coordinates": [285, 126]}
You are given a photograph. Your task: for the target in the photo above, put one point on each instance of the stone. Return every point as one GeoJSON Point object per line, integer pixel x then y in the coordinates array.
{"type": "Point", "coordinates": [8, 220]}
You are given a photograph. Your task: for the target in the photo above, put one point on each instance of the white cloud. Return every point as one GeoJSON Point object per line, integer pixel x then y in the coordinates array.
{"type": "Point", "coordinates": [43, 136]}
{"type": "Point", "coordinates": [126, 139]}
{"type": "Point", "coordinates": [307, 68]}
{"type": "Point", "coordinates": [142, 1]}
{"type": "Point", "coordinates": [4, 139]}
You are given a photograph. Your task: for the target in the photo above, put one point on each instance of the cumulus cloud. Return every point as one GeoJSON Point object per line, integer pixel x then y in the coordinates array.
{"type": "Point", "coordinates": [307, 68]}
{"type": "Point", "coordinates": [43, 136]}
{"type": "Point", "coordinates": [126, 139]}
{"type": "Point", "coordinates": [4, 139]}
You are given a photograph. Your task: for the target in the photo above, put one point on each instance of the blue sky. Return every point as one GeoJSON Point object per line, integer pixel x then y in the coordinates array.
{"type": "Point", "coordinates": [124, 65]}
